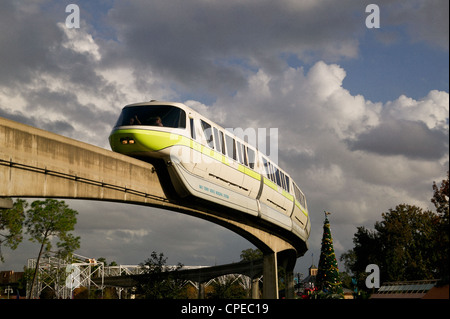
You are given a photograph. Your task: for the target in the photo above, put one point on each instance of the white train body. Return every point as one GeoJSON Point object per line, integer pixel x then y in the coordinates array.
{"type": "Point", "coordinates": [206, 161]}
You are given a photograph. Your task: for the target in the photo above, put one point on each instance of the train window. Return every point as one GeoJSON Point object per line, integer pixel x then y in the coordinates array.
{"type": "Point", "coordinates": [302, 200]}
{"type": "Point", "coordinates": [222, 137]}
{"type": "Point", "coordinates": [153, 115]}
{"type": "Point", "coordinates": [283, 181]}
{"type": "Point", "coordinates": [222, 141]}
{"type": "Point", "coordinates": [191, 122]}
{"type": "Point", "coordinates": [207, 131]}
{"type": "Point", "coordinates": [288, 188]}
{"type": "Point", "coordinates": [231, 147]}
{"type": "Point", "coordinates": [244, 155]}
{"type": "Point", "coordinates": [277, 176]}
{"type": "Point", "coordinates": [217, 140]}
{"type": "Point", "coordinates": [270, 171]}
{"type": "Point", "coordinates": [271, 175]}
{"type": "Point", "coordinates": [299, 195]}
{"type": "Point", "coordinates": [251, 157]}
{"type": "Point", "coordinates": [266, 167]}
{"type": "Point", "coordinates": [297, 192]}
{"type": "Point", "coordinates": [239, 152]}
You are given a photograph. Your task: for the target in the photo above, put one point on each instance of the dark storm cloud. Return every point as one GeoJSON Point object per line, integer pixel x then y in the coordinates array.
{"type": "Point", "coordinates": [58, 126]}
{"type": "Point", "coordinates": [26, 39]}
{"type": "Point", "coordinates": [66, 103]}
{"type": "Point", "coordinates": [54, 76]}
{"type": "Point", "coordinates": [17, 116]}
{"type": "Point", "coordinates": [215, 44]}
{"type": "Point", "coordinates": [426, 21]}
{"type": "Point", "coordinates": [402, 137]}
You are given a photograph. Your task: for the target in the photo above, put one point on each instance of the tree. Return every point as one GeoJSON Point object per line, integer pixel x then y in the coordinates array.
{"type": "Point", "coordinates": [48, 219]}
{"type": "Point", "coordinates": [328, 279]}
{"type": "Point", "coordinates": [441, 199]}
{"type": "Point", "coordinates": [404, 238]}
{"type": "Point", "coordinates": [226, 288]}
{"type": "Point", "coordinates": [160, 281]}
{"type": "Point", "coordinates": [408, 244]}
{"type": "Point", "coordinates": [251, 254]}
{"type": "Point", "coordinates": [441, 202]}
{"type": "Point", "coordinates": [366, 251]}
{"type": "Point", "coordinates": [103, 260]}
{"type": "Point", "coordinates": [401, 245]}
{"type": "Point", "coordinates": [11, 224]}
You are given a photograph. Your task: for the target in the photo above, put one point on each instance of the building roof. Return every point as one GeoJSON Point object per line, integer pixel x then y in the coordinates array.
{"type": "Point", "coordinates": [404, 289]}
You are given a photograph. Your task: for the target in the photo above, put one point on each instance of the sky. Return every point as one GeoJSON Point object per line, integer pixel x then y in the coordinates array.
{"type": "Point", "coordinates": [362, 113]}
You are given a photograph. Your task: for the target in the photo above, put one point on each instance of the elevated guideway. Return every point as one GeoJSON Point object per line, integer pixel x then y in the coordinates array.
{"type": "Point", "coordinates": [200, 275]}
{"type": "Point", "coordinates": [38, 164]}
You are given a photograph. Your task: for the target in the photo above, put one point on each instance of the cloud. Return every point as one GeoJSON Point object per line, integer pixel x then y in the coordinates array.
{"type": "Point", "coordinates": [411, 139]}
{"type": "Point", "coordinates": [301, 104]}
{"type": "Point", "coordinates": [129, 233]}
{"type": "Point", "coordinates": [198, 44]}
{"type": "Point", "coordinates": [54, 78]}
{"type": "Point", "coordinates": [417, 129]}
{"type": "Point", "coordinates": [426, 21]}
{"type": "Point", "coordinates": [432, 109]}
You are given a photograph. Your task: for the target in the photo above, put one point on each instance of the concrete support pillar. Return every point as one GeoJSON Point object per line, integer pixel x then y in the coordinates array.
{"type": "Point", "coordinates": [289, 279]}
{"type": "Point", "coordinates": [201, 290]}
{"type": "Point", "coordinates": [255, 288]}
{"type": "Point", "coordinates": [287, 260]}
{"type": "Point", "coordinates": [270, 276]}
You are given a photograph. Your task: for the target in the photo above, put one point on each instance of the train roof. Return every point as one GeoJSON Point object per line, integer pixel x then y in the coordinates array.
{"type": "Point", "coordinates": [156, 102]}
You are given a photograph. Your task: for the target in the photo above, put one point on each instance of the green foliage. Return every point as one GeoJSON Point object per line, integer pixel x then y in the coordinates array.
{"type": "Point", "coordinates": [405, 242]}
{"type": "Point", "coordinates": [48, 219]}
{"type": "Point", "coordinates": [441, 236]}
{"type": "Point", "coordinates": [11, 224]}
{"type": "Point", "coordinates": [227, 289]}
{"type": "Point", "coordinates": [401, 245]}
{"type": "Point", "coordinates": [408, 244]}
{"type": "Point", "coordinates": [52, 218]}
{"type": "Point", "coordinates": [103, 260]}
{"type": "Point", "coordinates": [441, 199]}
{"type": "Point", "coordinates": [159, 281]}
{"type": "Point", "coordinates": [251, 254]}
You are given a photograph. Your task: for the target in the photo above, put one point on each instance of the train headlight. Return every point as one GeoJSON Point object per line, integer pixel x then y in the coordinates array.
{"type": "Point", "coordinates": [126, 140]}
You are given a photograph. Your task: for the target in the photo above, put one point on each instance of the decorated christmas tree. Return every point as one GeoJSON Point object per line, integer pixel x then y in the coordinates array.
{"type": "Point", "coordinates": [328, 280]}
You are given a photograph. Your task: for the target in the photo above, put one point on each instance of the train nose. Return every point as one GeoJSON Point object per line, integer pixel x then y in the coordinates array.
{"type": "Point", "coordinates": [124, 142]}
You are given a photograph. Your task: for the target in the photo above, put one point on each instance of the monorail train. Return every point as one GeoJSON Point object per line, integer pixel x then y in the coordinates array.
{"type": "Point", "coordinates": [207, 161]}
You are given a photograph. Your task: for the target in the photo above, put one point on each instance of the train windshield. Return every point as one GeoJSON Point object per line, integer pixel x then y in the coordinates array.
{"type": "Point", "coordinates": [153, 115]}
